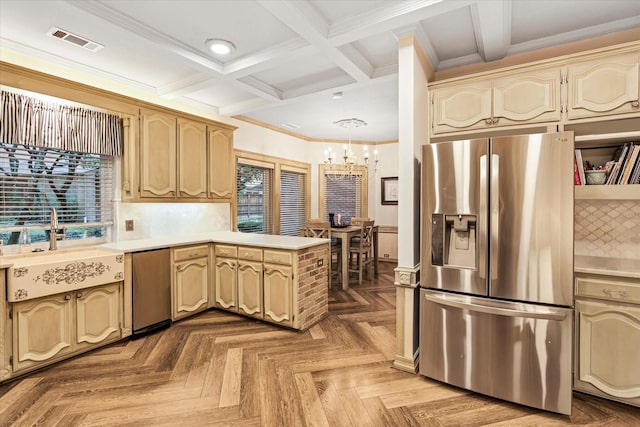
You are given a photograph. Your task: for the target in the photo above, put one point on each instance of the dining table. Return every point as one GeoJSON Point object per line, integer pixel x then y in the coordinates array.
{"type": "Point", "coordinates": [345, 234]}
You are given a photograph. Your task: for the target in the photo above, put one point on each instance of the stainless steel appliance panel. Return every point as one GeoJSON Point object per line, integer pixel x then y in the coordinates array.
{"type": "Point", "coordinates": [532, 218]}
{"type": "Point", "coordinates": [454, 183]}
{"type": "Point", "coordinates": [513, 351]}
{"type": "Point", "coordinates": [151, 291]}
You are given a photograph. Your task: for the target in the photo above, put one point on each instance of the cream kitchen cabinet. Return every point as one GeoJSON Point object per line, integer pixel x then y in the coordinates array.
{"type": "Point", "coordinates": [221, 166]}
{"type": "Point", "coordinates": [226, 277]}
{"type": "Point", "coordinates": [276, 285]}
{"type": "Point", "coordinates": [190, 284]}
{"type": "Point", "coordinates": [278, 293]}
{"type": "Point", "coordinates": [517, 99]}
{"type": "Point", "coordinates": [180, 159]}
{"type": "Point", "coordinates": [607, 337]}
{"type": "Point", "coordinates": [250, 285]}
{"type": "Point", "coordinates": [158, 158]}
{"type": "Point", "coordinates": [50, 328]}
{"type": "Point", "coordinates": [192, 159]}
{"type": "Point", "coordinates": [604, 86]}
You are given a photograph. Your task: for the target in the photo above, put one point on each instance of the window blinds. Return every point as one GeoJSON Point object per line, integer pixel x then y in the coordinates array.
{"type": "Point", "coordinates": [293, 195]}
{"type": "Point", "coordinates": [35, 179]}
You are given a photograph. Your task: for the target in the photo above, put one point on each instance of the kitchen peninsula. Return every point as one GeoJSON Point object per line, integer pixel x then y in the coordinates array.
{"type": "Point", "coordinates": [277, 279]}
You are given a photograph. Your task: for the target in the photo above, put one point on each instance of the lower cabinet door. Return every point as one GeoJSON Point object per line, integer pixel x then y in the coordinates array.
{"type": "Point", "coordinates": [250, 288]}
{"type": "Point", "coordinates": [42, 330]}
{"type": "Point", "coordinates": [226, 284]}
{"type": "Point", "coordinates": [191, 283]}
{"type": "Point", "coordinates": [278, 294]}
{"type": "Point", "coordinates": [97, 315]}
{"type": "Point", "coordinates": [608, 349]}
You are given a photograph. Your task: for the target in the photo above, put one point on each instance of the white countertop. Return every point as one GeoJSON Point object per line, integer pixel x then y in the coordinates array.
{"type": "Point", "coordinates": [229, 237]}
{"type": "Point", "coordinates": [607, 266]}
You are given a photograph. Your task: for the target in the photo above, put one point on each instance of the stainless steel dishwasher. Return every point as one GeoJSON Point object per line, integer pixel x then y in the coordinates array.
{"type": "Point", "coordinates": [151, 290]}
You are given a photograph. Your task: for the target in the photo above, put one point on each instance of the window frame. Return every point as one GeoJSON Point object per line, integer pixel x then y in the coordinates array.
{"type": "Point", "coordinates": [277, 164]}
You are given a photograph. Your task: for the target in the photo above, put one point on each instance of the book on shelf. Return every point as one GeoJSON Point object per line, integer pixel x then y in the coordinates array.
{"type": "Point", "coordinates": [635, 175]}
{"type": "Point", "coordinates": [580, 166]}
{"type": "Point", "coordinates": [576, 173]}
{"type": "Point", "coordinates": [632, 160]}
{"type": "Point", "coordinates": [618, 157]}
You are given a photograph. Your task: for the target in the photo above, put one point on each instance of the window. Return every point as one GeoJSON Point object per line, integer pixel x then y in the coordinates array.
{"type": "Point", "coordinates": [254, 187]}
{"type": "Point", "coordinates": [293, 195]}
{"type": "Point", "coordinates": [342, 194]}
{"type": "Point", "coordinates": [272, 194]}
{"type": "Point", "coordinates": [35, 179]}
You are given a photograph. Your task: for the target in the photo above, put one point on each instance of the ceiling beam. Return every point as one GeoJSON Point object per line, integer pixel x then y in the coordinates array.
{"type": "Point", "coordinates": [303, 19]}
{"type": "Point", "coordinates": [492, 27]}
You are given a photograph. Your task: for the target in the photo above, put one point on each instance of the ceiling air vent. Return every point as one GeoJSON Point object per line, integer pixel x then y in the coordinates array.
{"type": "Point", "coordinates": [290, 126]}
{"type": "Point", "coordinates": [75, 39]}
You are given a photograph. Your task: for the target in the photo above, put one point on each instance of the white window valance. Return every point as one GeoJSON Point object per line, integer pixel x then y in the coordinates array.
{"type": "Point", "coordinates": [42, 123]}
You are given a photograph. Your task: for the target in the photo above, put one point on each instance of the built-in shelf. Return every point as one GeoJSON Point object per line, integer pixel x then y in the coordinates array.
{"type": "Point", "coordinates": [607, 192]}
{"type": "Point", "coordinates": [606, 139]}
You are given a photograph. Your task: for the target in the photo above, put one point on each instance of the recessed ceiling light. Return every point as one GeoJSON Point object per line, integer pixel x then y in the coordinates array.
{"type": "Point", "coordinates": [337, 95]}
{"type": "Point", "coordinates": [220, 46]}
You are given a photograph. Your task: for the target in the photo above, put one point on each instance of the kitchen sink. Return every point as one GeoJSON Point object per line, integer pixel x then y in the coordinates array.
{"type": "Point", "coordinates": [46, 273]}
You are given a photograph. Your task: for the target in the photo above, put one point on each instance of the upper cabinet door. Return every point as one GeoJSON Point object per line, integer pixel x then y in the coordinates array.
{"type": "Point", "coordinates": [603, 86]}
{"type": "Point", "coordinates": [192, 159]}
{"type": "Point", "coordinates": [157, 155]}
{"type": "Point", "coordinates": [221, 164]}
{"type": "Point", "coordinates": [462, 107]}
{"type": "Point", "coordinates": [533, 97]}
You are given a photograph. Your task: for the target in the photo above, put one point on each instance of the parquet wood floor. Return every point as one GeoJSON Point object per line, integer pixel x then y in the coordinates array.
{"type": "Point", "coordinates": [218, 369]}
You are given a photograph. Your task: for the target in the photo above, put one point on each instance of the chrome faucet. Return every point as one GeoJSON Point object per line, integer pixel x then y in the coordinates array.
{"type": "Point", "coordinates": [54, 236]}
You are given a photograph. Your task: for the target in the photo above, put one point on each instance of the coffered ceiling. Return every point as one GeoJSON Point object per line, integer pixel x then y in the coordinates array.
{"type": "Point", "coordinates": [291, 56]}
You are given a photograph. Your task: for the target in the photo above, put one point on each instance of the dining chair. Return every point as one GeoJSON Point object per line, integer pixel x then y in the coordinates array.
{"type": "Point", "coordinates": [361, 251]}
{"type": "Point", "coordinates": [357, 221]}
{"type": "Point", "coordinates": [322, 230]}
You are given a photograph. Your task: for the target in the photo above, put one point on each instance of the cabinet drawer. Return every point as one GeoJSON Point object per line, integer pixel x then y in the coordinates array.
{"type": "Point", "coordinates": [226, 251]}
{"type": "Point", "coordinates": [278, 257]}
{"type": "Point", "coordinates": [190, 252]}
{"type": "Point", "coordinates": [609, 290]}
{"type": "Point", "coordinates": [251, 254]}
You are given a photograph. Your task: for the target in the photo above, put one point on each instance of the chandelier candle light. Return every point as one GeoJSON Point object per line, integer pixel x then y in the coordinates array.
{"type": "Point", "coordinates": [352, 165]}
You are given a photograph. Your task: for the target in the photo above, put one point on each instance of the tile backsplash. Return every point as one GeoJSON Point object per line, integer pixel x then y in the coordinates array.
{"type": "Point", "coordinates": [607, 228]}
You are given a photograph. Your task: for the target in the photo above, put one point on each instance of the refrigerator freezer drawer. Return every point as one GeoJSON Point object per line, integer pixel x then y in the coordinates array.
{"type": "Point", "coordinates": [512, 351]}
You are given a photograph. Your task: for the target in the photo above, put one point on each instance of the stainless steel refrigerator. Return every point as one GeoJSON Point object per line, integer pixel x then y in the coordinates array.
{"type": "Point", "coordinates": [497, 267]}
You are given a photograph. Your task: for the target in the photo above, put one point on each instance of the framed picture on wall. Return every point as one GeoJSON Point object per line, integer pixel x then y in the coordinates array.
{"type": "Point", "coordinates": [390, 190]}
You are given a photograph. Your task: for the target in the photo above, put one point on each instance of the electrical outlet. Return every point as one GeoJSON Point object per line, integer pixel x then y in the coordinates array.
{"type": "Point", "coordinates": [320, 263]}
{"type": "Point", "coordinates": [128, 225]}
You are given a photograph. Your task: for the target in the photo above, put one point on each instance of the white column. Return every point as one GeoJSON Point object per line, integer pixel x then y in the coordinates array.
{"type": "Point", "coordinates": [413, 73]}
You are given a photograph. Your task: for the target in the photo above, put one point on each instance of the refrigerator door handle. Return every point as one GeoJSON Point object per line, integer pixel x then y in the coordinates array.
{"type": "Point", "coordinates": [495, 216]}
{"type": "Point", "coordinates": [482, 219]}
{"type": "Point", "coordinates": [541, 312]}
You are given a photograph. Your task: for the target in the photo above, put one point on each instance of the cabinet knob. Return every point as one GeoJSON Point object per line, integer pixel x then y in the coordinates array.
{"type": "Point", "coordinates": [635, 104]}
{"type": "Point", "coordinates": [79, 295]}
{"type": "Point", "coordinates": [487, 121]}
{"type": "Point", "coordinates": [179, 267]}
{"type": "Point", "coordinates": [495, 120]}
{"type": "Point", "coordinates": [67, 297]}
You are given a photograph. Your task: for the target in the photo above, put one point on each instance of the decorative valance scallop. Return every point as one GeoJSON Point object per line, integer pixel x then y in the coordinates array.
{"type": "Point", "coordinates": [43, 123]}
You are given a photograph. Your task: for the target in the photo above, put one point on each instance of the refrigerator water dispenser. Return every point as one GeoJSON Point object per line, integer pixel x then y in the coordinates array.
{"type": "Point", "coordinates": [454, 240]}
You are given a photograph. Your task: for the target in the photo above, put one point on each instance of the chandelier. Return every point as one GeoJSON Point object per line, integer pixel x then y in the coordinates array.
{"type": "Point", "coordinates": [351, 165]}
